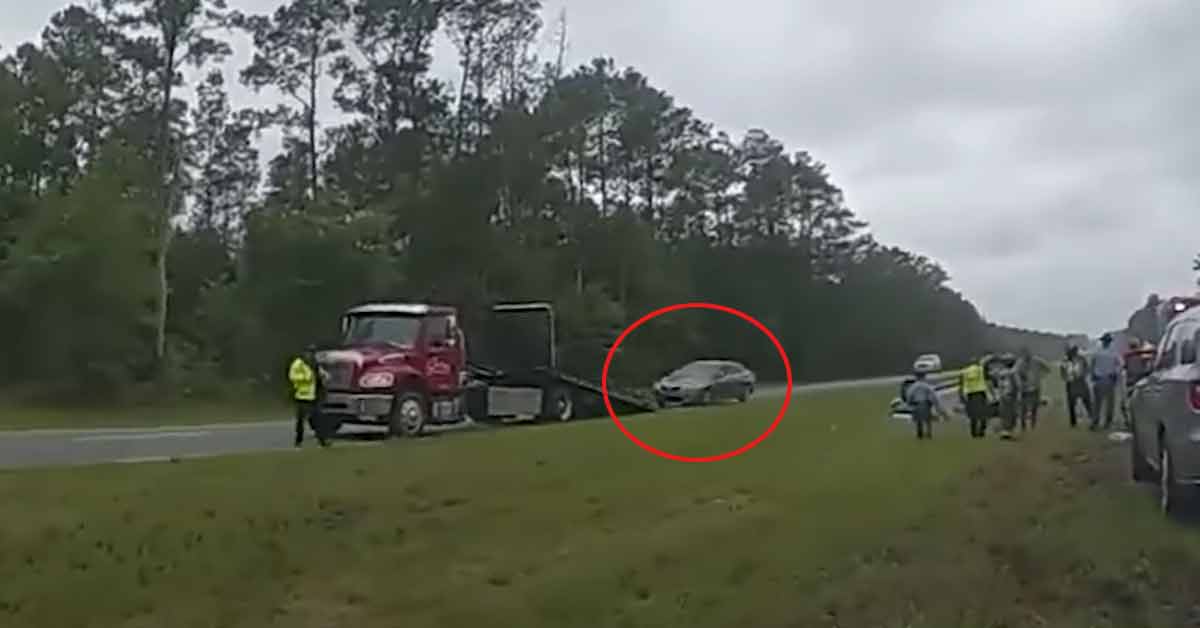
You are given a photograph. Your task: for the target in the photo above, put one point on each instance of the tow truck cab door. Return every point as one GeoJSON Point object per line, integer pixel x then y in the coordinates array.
{"type": "Point", "coordinates": [445, 355]}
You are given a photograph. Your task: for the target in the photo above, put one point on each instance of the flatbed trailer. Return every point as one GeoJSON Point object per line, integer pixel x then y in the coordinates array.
{"type": "Point", "coordinates": [405, 366]}
{"type": "Point", "coordinates": [518, 375]}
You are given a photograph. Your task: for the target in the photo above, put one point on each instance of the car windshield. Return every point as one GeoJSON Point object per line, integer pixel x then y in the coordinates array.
{"type": "Point", "coordinates": [697, 369]}
{"type": "Point", "coordinates": [382, 329]}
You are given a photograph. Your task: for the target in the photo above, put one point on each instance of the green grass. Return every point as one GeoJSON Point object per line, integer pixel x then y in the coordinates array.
{"type": "Point", "coordinates": [17, 416]}
{"type": "Point", "coordinates": [839, 519]}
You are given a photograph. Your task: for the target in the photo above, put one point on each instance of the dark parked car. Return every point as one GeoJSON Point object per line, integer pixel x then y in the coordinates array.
{"type": "Point", "coordinates": [703, 382]}
{"type": "Point", "coordinates": [1164, 410]}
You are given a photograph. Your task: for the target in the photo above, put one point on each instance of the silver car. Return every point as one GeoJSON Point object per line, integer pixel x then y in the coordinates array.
{"type": "Point", "coordinates": [703, 382]}
{"type": "Point", "coordinates": [1164, 410]}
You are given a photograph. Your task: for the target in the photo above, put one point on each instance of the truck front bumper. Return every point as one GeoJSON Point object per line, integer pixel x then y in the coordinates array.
{"type": "Point", "coordinates": [365, 407]}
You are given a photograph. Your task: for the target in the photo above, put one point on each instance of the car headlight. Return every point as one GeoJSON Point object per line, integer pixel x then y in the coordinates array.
{"type": "Point", "coordinates": [377, 380]}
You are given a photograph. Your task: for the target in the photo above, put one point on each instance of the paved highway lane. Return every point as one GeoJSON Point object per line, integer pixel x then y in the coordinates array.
{"type": "Point", "coordinates": [75, 447]}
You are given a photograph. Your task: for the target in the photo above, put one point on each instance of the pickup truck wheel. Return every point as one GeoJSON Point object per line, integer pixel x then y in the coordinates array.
{"type": "Point", "coordinates": [410, 412]}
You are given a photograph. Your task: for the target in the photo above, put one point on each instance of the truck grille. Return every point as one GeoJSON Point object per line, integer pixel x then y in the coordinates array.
{"type": "Point", "coordinates": [339, 375]}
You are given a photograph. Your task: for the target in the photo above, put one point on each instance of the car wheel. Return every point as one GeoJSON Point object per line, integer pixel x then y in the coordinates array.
{"type": "Point", "coordinates": [1174, 499]}
{"type": "Point", "coordinates": [746, 392]}
{"type": "Point", "coordinates": [410, 412]}
{"type": "Point", "coordinates": [1139, 469]}
{"type": "Point", "coordinates": [706, 397]}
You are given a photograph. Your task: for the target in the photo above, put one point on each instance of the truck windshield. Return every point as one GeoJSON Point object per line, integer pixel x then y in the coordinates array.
{"type": "Point", "coordinates": [382, 329]}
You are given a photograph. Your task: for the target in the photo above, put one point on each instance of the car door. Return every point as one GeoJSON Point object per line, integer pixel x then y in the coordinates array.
{"type": "Point", "coordinates": [1174, 404]}
{"type": "Point", "coordinates": [1149, 393]}
{"type": "Point", "coordinates": [735, 381]}
{"type": "Point", "coordinates": [723, 382]}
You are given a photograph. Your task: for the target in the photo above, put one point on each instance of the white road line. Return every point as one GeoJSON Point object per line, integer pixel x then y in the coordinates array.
{"type": "Point", "coordinates": [144, 436]}
{"type": "Point", "coordinates": [141, 430]}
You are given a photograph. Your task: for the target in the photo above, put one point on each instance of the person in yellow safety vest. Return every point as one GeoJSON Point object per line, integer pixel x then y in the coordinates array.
{"type": "Point", "coordinates": [975, 395]}
{"type": "Point", "coordinates": [305, 388]}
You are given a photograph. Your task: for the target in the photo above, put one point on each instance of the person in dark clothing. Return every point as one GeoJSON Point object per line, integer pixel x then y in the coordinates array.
{"type": "Point", "coordinates": [307, 391]}
{"type": "Point", "coordinates": [1074, 375]}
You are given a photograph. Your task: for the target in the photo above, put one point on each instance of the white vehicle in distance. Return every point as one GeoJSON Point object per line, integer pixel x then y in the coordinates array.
{"type": "Point", "coordinates": [928, 363]}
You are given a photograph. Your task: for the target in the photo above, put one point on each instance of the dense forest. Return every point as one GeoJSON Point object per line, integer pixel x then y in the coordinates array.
{"type": "Point", "coordinates": [149, 248]}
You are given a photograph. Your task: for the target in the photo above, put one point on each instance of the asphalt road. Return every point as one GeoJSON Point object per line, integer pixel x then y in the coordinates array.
{"type": "Point", "coordinates": [36, 448]}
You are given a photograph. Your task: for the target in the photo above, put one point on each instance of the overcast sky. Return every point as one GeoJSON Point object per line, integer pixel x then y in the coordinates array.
{"type": "Point", "coordinates": [1046, 152]}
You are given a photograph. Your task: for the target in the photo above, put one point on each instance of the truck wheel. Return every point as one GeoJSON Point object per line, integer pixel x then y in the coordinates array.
{"type": "Point", "coordinates": [410, 412]}
{"type": "Point", "coordinates": [557, 405]}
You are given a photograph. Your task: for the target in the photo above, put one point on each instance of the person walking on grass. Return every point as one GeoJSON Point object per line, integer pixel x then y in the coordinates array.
{"type": "Point", "coordinates": [1105, 375]}
{"type": "Point", "coordinates": [1008, 396]}
{"type": "Point", "coordinates": [974, 393]}
{"type": "Point", "coordinates": [303, 374]}
{"type": "Point", "coordinates": [922, 399]}
{"type": "Point", "coordinates": [1030, 370]}
{"type": "Point", "coordinates": [1074, 371]}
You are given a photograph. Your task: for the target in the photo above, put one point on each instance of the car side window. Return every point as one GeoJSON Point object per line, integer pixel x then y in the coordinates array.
{"type": "Point", "coordinates": [1168, 351]}
{"type": "Point", "coordinates": [1187, 345]}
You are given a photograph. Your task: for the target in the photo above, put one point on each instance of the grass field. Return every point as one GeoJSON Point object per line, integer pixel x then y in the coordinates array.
{"type": "Point", "coordinates": [16, 416]}
{"type": "Point", "coordinates": [839, 519]}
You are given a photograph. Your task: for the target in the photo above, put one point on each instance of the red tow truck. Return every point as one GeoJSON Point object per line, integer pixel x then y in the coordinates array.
{"type": "Point", "coordinates": [405, 366]}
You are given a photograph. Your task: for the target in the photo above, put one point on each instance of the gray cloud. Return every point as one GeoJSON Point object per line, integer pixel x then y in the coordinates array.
{"type": "Point", "coordinates": [1044, 151]}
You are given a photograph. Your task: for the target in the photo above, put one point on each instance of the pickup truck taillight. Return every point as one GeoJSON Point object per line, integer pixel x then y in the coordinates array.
{"type": "Point", "coordinates": [1194, 396]}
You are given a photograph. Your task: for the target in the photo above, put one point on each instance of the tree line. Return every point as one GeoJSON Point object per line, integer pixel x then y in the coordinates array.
{"type": "Point", "coordinates": [148, 246]}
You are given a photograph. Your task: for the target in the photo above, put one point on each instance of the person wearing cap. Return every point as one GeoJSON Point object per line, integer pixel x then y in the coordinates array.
{"type": "Point", "coordinates": [1105, 375]}
{"type": "Point", "coordinates": [306, 389]}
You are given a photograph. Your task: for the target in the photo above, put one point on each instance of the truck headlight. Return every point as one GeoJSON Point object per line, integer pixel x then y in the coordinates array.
{"type": "Point", "coordinates": [377, 380]}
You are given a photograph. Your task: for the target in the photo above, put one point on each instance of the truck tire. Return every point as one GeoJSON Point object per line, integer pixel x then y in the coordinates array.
{"type": "Point", "coordinates": [410, 413]}
{"type": "Point", "coordinates": [557, 405]}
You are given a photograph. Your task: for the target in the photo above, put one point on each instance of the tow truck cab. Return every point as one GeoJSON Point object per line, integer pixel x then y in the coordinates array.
{"type": "Point", "coordinates": [395, 359]}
